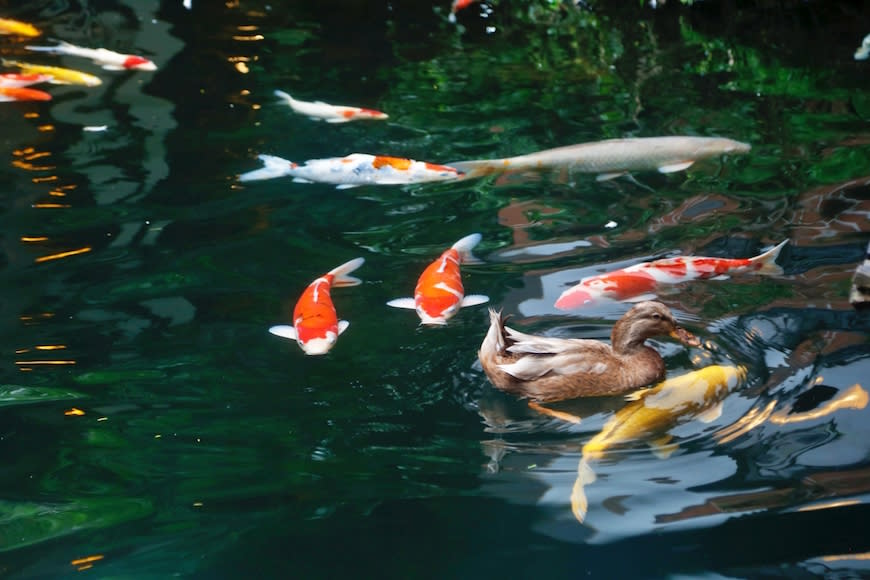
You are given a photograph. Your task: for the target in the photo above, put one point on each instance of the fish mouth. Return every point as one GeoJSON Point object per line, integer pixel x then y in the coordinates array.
{"type": "Point", "coordinates": [685, 336]}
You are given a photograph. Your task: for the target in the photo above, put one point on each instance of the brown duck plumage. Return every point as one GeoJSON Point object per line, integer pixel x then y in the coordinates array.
{"type": "Point", "coordinates": [552, 369]}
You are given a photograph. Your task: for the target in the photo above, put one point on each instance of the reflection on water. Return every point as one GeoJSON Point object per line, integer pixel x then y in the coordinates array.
{"type": "Point", "coordinates": [149, 423]}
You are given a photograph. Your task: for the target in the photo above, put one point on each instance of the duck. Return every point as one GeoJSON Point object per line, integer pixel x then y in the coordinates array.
{"type": "Point", "coordinates": [546, 369]}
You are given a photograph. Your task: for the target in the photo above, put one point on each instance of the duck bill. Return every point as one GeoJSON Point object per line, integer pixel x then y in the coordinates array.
{"type": "Point", "coordinates": [685, 336]}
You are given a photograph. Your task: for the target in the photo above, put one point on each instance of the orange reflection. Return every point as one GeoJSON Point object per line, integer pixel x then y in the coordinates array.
{"type": "Point", "coordinates": [253, 37]}
{"type": "Point", "coordinates": [34, 239]}
{"type": "Point", "coordinates": [43, 179]}
{"type": "Point", "coordinates": [829, 505]}
{"type": "Point", "coordinates": [74, 412]}
{"type": "Point", "coordinates": [50, 205]}
{"type": "Point", "coordinates": [31, 167]}
{"type": "Point", "coordinates": [242, 68]}
{"type": "Point", "coordinates": [63, 255]}
{"type": "Point", "coordinates": [50, 347]}
{"type": "Point", "coordinates": [45, 362]}
{"type": "Point", "coordinates": [840, 557]}
{"type": "Point", "coordinates": [852, 398]}
{"type": "Point", "coordinates": [86, 562]}
{"type": "Point", "coordinates": [746, 423]}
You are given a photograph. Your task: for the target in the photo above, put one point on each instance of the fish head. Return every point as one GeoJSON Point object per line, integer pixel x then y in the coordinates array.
{"type": "Point", "coordinates": [372, 114]}
{"type": "Point", "coordinates": [722, 145]}
{"type": "Point", "coordinates": [138, 63]}
{"type": "Point", "coordinates": [317, 345]}
{"type": "Point", "coordinates": [437, 310]}
{"type": "Point", "coordinates": [573, 298]}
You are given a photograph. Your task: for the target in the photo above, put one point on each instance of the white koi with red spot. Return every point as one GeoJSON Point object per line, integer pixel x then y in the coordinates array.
{"type": "Point", "coordinates": [642, 279]}
{"type": "Point", "coordinates": [353, 170]}
{"type": "Point", "coordinates": [108, 59]}
{"type": "Point", "coordinates": [320, 111]}
{"type": "Point", "coordinates": [439, 293]}
{"type": "Point", "coordinates": [315, 324]}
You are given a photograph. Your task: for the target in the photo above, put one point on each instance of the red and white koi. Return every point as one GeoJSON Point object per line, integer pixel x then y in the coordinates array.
{"type": "Point", "coordinates": [108, 59]}
{"type": "Point", "coordinates": [22, 94]}
{"type": "Point", "coordinates": [439, 293]}
{"type": "Point", "coordinates": [22, 80]}
{"type": "Point", "coordinates": [639, 280]}
{"type": "Point", "coordinates": [320, 111]}
{"type": "Point", "coordinates": [8, 26]}
{"type": "Point", "coordinates": [353, 170]}
{"type": "Point", "coordinates": [315, 324]}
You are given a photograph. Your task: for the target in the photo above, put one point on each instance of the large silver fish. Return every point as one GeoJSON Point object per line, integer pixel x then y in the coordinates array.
{"type": "Point", "coordinates": [613, 157]}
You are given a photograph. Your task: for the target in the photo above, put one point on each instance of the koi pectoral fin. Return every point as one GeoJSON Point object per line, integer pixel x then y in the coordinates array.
{"type": "Point", "coordinates": [342, 326]}
{"type": "Point", "coordinates": [403, 303]}
{"type": "Point", "coordinates": [474, 300]}
{"type": "Point", "coordinates": [609, 176]}
{"type": "Point", "coordinates": [675, 167]}
{"type": "Point", "coordinates": [284, 331]}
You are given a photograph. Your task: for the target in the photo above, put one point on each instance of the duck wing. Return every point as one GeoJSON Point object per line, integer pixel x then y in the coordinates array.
{"type": "Point", "coordinates": [538, 356]}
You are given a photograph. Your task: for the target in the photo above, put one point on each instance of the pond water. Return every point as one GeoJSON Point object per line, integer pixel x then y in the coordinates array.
{"type": "Point", "coordinates": [151, 426]}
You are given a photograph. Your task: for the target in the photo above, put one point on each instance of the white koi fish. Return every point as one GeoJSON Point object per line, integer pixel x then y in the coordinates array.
{"type": "Point", "coordinates": [439, 293]}
{"type": "Point", "coordinates": [352, 171]}
{"type": "Point", "coordinates": [320, 111]}
{"type": "Point", "coordinates": [612, 158]}
{"type": "Point", "coordinates": [108, 59]}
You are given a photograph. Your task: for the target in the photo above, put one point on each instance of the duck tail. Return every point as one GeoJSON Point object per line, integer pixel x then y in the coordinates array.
{"type": "Point", "coordinates": [464, 247]}
{"type": "Point", "coordinates": [340, 273]}
{"type": "Point", "coordinates": [766, 263]}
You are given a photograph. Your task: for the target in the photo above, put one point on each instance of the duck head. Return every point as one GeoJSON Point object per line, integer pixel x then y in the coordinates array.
{"type": "Point", "coordinates": [646, 320]}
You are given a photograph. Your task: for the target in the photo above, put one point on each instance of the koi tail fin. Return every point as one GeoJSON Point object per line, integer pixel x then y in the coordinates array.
{"type": "Point", "coordinates": [464, 247]}
{"type": "Point", "coordinates": [766, 263]}
{"type": "Point", "coordinates": [579, 502]}
{"type": "Point", "coordinates": [285, 96]}
{"type": "Point", "coordinates": [476, 168]}
{"type": "Point", "coordinates": [57, 48]}
{"type": "Point", "coordinates": [340, 274]}
{"type": "Point", "coordinates": [272, 167]}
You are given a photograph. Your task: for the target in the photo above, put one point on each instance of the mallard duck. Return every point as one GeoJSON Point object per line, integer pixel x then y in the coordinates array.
{"type": "Point", "coordinates": [546, 369]}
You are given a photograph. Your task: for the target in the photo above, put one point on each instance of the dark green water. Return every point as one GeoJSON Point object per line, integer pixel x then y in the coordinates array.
{"type": "Point", "coordinates": [209, 448]}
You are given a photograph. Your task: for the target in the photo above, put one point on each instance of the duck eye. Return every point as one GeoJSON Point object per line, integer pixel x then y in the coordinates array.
{"type": "Point", "coordinates": [656, 316]}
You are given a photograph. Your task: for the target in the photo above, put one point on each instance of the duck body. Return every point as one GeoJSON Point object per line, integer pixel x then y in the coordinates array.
{"type": "Point", "coordinates": [546, 369]}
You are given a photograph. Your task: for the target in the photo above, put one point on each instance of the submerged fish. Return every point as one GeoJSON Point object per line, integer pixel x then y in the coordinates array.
{"type": "Point", "coordinates": [651, 413]}
{"type": "Point", "coordinates": [8, 26]}
{"type": "Point", "coordinates": [61, 76]}
{"type": "Point", "coordinates": [315, 324]}
{"type": "Point", "coordinates": [22, 94]}
{"type": "Point", "coordinates": [352, 171]}
{"type": "Point", "coordinates": [22, 80]}
{"type": "Point", "coordinates": [863, 51]}
{"type": "Point", "coordinates": [613, 157]}
{"type": "Point", "coordinates": [642, 279]}
{"type": "Point", "coordinates": [108, 59]}
{"type": "Point", "coordinates": [439, 293]}
{"type": "Point", "coordinates": [318, 110]}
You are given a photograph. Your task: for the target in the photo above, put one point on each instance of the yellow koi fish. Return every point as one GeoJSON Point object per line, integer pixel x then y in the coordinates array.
{"type": "Point", "coordinates": [651, 413]}
{"type": "Point", "coordinates": [59, 76]}
{"type": "Point", "coordinates": [8, 26]}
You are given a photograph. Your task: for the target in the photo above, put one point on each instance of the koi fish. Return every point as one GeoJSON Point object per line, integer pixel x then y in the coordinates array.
{"type": "Point", "coordinates": [22, 80]}
{"type": "Point", "coordinates": [863, 51]}
{"type": "Point", "coordinates": [8, 26]}
{"type": "Point", "coordinates": [22, 94]}
{"type": "Point", "coordinates": [315, 324]}
{"type": "Point", "coordinates": [352, 171]}
{"type": "Point", "coordinates": [439, 293]}
{"type": "Point", "coordinates": [651, 413]}
{"type": "Point", "coordinates": [320, 111]}
{"type": "Point", "coordinates": [613, 157]}
{"type": "Point", "coordinates": [642, 279]}
{"type": "Point", "coordinates": [59, 76]}
{"type": "Point", "coordinates": [108, 59]}
{"type": "Point", "coordinates": [458, 5]}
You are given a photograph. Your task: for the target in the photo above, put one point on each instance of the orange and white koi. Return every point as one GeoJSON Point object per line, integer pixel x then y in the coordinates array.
{"type": "Point", "coordinates": [22, 94]}
{"type": "Point", "coordinates": [639, 280]}
{"type": "Point", "coordinates": [108, 59]}
{"type": "Point", "coordinates": [320, 111]}
{"type": "Point", "coordinates": [22, 80]}
{"type": "Point", "coordinates": [315, 324]}
{"type": "Point", "coordinates": [8, 26]}
{"type": "Point", "coordinates": [59, 76]}
{"type": "Point", "coordinates": [458, 5]}
{"type": "Point", "coordinates": [353, 170]}
{"type": "Point", "coordinates": [439, 293]}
